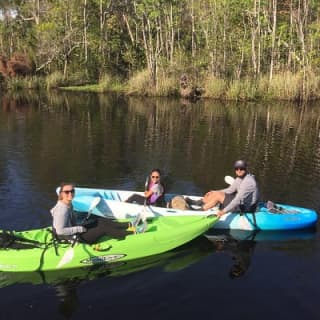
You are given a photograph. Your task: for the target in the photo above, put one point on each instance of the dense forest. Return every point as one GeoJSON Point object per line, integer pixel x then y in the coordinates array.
{"type": "Point", "coordinates": [226, 48]}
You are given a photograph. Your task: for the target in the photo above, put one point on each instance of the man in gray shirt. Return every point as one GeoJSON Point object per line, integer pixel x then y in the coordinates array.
{"type": "Point", "coordinates": [242, 192]}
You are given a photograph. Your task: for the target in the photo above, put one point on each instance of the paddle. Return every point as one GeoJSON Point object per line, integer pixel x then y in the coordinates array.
{"type": "Point", "coordinates": [229, 180]}
{"type": "Point", "coordinates": [146, 186]}
{"type": "Point", "coordinates": [141, 215]}
{"type": "Point", "coordinates": [69, 254]}
{"type": "Point", "coordinates": [93, 204]}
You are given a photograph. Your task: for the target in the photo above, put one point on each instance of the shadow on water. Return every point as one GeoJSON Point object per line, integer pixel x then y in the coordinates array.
{"type": "Point", "coordinates": [240, 244]}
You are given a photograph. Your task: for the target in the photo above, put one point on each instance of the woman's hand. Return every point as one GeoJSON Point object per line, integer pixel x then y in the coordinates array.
{"type": "Point", "coordinates": [148, 193]}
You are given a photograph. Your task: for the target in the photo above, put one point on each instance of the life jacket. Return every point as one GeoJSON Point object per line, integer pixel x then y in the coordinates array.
{"type": "Point", "coordinates": [156, 199]}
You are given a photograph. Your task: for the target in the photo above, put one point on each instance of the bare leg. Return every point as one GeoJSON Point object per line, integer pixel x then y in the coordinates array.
{"type": "Point", "coordinates": [212, 198]}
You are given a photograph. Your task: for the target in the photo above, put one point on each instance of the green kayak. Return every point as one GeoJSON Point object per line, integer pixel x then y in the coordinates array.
{"type": "Point", "coordinates": [36, 250]}
{"type": "Point", "coordinates": [170, 261]}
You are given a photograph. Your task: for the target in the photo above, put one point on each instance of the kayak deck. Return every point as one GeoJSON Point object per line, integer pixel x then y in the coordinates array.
{"type": "Point", "coordinates": [162, 234]}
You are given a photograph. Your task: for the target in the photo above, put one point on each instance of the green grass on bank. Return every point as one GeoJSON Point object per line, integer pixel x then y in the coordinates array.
{"type": "Point", "coordinates": [284, 86]}
{"type": "Point", "coordinates": [88, 88]}
{"type": "Point", "coordinates": [106, 83]}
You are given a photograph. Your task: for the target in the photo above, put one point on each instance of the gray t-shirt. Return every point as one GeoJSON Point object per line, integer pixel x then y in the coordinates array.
{"type": "Point", "coordinates": [247, 193]}
{"type": "Point", "coordinates": [62, 220]}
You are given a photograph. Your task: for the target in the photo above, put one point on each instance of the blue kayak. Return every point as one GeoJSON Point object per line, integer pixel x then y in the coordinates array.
{"type": "Point", "coordinates": [278, 217]}
{"type": "Point", "coordinates": [286, 217]}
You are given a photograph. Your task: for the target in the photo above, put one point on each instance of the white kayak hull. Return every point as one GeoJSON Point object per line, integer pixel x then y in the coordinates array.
{"type": "Point", "coordinates": [112, 205]}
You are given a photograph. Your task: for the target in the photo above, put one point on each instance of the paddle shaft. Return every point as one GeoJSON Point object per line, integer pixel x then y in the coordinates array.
{"type": "Point", "coordinates": [146, 187]}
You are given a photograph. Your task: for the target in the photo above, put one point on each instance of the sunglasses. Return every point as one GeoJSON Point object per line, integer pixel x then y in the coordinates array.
{"type": "Point", "coordinates": [242, 169]}
{"type": "Point", "coordinates": [155, 177]}
{"type": "Point", "coordinates": [68, 191]}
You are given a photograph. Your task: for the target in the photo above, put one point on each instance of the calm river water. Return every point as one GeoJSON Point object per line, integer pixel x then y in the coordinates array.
{"type": "Point", "coordinates": [112, 142]}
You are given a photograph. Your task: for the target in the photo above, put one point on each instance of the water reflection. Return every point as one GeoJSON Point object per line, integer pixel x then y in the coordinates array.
{"type": "Point", "coordinates": [68, 298]}
{"type": "Point", "coordinates": [240, 244]}
{"type": "Point", "coordinates": [241, 252]}
{"type": "Point", "coordinates": [111, 141]}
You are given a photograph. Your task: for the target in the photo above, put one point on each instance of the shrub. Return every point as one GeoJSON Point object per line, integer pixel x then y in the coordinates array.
{"type": "Point", "coordinates": [214, 87]}
{"type": "Point", "coordinates": [167, 85]}
{"type": "Point", "coordinates": [55, 80]}
{"type": "Point", "coordinates": [286, 86]}
{"type": "Point", "coordinates": [139, 84]}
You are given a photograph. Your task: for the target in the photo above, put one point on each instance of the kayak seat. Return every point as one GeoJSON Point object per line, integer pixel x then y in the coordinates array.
{"type": "Point", "coordinates": [252, 209]}
{"type": "Point", "coordinates": [63, 239]}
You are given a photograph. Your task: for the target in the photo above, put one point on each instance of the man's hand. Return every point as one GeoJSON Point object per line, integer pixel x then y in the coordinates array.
{"type": "Point", "coordinates": [220, 213]}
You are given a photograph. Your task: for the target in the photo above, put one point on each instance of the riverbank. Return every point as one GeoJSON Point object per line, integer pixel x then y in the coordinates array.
{"type": "Point", "coordinates": [283, 86]}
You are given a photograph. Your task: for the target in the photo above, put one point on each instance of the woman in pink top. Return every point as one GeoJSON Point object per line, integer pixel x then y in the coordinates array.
{"type": "Point", "coordinates": [154, 193]}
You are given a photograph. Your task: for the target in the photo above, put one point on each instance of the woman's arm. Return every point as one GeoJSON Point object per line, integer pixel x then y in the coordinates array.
{"type": "Point", "coordinates": [62, 221]}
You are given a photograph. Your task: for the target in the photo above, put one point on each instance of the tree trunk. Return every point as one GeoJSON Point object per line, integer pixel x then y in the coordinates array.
{"type": "Point", "coordinates": [259, 39]}
{"type": "Point", "coordinates": [85, 40]}
{"type": "Point", "coordinates": [193, 49]}
{"type": "Point", "coordinates": [273, 37]}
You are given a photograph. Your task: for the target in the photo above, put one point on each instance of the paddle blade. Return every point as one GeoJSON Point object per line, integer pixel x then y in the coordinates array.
{"type": "Point", "coordinates": [146, 184]}
{"type": "Point", "coordinates": [94, 203]}
{"type": "Point", "coordinates": [142, 228]}
{"type": "Point", "coordinates": [229, 180]}
{"type": "Point", "coordinates": [67, 257]}
{"type": "Point", "coordinates": [245, 224]}
{"type": "Point", "coordinates": [136, 220]}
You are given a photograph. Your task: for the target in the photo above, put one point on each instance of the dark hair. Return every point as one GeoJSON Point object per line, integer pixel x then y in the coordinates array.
{"type": "Point", "coordinates": [62, 185]}
{"type": "Point", "coordinates": [155, 170]}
